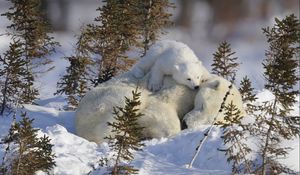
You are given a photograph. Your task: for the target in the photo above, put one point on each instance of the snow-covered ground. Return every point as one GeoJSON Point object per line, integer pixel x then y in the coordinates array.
{"type": "Point", "coordinates": [165, 156]}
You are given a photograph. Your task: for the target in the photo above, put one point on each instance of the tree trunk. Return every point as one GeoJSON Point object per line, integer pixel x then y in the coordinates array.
{"type": "Point", "coordinates": [4, 94]}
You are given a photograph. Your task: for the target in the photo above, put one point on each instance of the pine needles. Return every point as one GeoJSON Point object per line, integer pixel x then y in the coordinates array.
{"type": "Point", "coordinates": [127, 134]}
{"type": "Point", "coordinates": [26, 153]}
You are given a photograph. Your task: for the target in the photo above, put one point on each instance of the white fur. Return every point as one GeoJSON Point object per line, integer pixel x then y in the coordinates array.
{"type": "Point", "coordinates": [166, 69]}
{"type": "Point", "coordinates": [170, 58]}
{"type": "Point", "coordinates": [208, 101]}
{"type": "Point", "coordinates": [161, 110]}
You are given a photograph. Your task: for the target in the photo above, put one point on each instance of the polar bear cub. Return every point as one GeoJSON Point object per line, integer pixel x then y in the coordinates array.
{"type": "Point", "coordinates": [170, 58]}
{"type": "Point", "coordinates": [208, 102]}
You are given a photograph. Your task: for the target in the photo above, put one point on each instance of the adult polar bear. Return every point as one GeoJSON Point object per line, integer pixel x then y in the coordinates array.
{"type": "Point", "coordinates": [173, 58]}
{"type": "Point", "coordinates": [163, 110]}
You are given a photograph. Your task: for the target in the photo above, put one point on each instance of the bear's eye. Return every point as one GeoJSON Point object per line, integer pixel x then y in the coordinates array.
{"type": "Point", "coordinates": [189, 79]}
{"type": "Point", "coordinates": [198, 77]}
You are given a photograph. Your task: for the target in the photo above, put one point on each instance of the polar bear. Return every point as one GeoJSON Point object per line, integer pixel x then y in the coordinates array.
{"type": "Point", "coordinates": [208, 102]}
{"type": "Point", "coordinates": [173, 58]}
{"type": "Point", "coordinates": [162, 110]}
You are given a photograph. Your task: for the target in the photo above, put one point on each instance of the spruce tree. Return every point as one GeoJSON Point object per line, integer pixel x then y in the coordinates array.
{"type": "Point", "coordinates": [32, 30]}
{"type": "Point", "coordinates": [114, 33]}
{"type": "Point", "coordinates": [74, 83]}
{"type": "Point", "coordinates": [104, 75]}
{"type": "Point", "coordinates": [26, 153]}
{"type": "Point", "coordinates": [127, 134]}
{"type": "Point", "coordinates": [29, 93]}
{"type": "Point", "coordinates": [12, 74]}
{"type": "Point", "coordinates": [234, 137]}
{"type": "Point", "coordinates": [273, 124]}
{"type": "Point", "coordinates": [246, 90]}
{"type": "Point", "coordinates": [248, 95]}
{"type": "Point", "coordinates": [224, 64]}
{"type": "Point", "coordinates": [123, 26]}
{"type": "Point", "coordinates": [153, 17]}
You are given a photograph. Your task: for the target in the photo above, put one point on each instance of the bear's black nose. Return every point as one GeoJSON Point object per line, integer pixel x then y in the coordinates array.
{"type": "Point", "coordinates": [196, 87]}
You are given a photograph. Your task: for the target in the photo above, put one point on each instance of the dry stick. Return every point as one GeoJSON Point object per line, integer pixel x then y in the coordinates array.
{"type": "Point", "coordinates": [206, 134]}
{"type": "Point", "coordinates": [198, 148]}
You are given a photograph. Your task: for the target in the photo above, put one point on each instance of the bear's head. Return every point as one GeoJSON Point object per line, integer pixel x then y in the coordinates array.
{"type": "Point", "coordinates": [191, 74]}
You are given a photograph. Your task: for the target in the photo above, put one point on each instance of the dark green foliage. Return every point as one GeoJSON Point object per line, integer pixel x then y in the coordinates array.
{"type": "Point", "coordinates": [104, 75]}
{"type": "Point", "coordinates": [30, 27]}
{"type": "Point", "coordinates": [74, 83]}
{"type": "Point", "coordinates": [102, 47]}
{"type": "Point", "coordinates": [113, 34]}
{"type": "Point", "coordinates": [127, 134]}
{"type": "Point", "coordinates": [29, 92]}
{"type": "Point", "coordinates": [281, 63]}
{"type": "Point", "coordinates": [31, 30]}
{"type": "Point", "coordinates": [123, 26]}
{"type": "Point", "coordinates": [153, 17]}
{"type": "Point", "coordinates": [234, 132]}
{"type": "Point", "coordinates": [224, 64]}
{"type": "Point", "coordinates": [247, 94]}
{"type": "Point", "coordinates": [13, 74]}
{"type": "Point", "coordinates": [26, 153]}
{"type": "Point", "coordinates": [246, 90]}
{"type": "Point", "coordinates": [235, 139]}
{"type": "Point", "coordinates": [273, 124]}
{"type": "Point", "coordinates": [270, 132]}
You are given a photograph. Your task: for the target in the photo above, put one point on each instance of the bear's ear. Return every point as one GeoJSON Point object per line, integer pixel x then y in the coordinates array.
{"type": "Point", "coordinates": [215, 84]}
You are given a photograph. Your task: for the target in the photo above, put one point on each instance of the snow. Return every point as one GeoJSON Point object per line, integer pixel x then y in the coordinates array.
{"type": "Point", "coordinates": [74, 154]}
{"type": "Point", "coordinates": [178, 151]}
{"type": "Point", "coordinates": [165, 156]}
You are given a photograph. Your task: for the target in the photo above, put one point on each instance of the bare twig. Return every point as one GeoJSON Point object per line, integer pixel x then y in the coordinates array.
{"type": "Point", "coordinates": [206, 134]}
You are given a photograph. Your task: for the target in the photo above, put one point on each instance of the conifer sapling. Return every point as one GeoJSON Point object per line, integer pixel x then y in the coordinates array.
{"type": "Point", "coordinates": [127, 134]}
{"type": "Point", "coordinates": [224, 64]}
{"type": "Point", "coordinates": [234, 138]}
{"type": "Point", "coordinates": [31, 30]}
{"type": "Point", "coordinates": [153, 17]}
{"type": "Point", "coordinates": [12, 74]}
{"type": "Point", "coordinates": [75, 82]}
{"type": "Point", "coordinates": [247, 94]}
{"type": "Point", "coordinates": [273, 124]}
{"type": "Point", "coordinates": [114, 33]}
{"type": "Point", "coordinates": [27, 153]}
{"type": "Point", "coordinates": [246, 90]}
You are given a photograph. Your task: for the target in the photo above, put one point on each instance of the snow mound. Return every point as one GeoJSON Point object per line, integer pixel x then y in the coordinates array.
{"type": "Point", "coordinates": [172, 155]}
{"type": "Point", "coordinates": [165, 156]}
{"type": "Point", "coordinates": [74, 155]}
